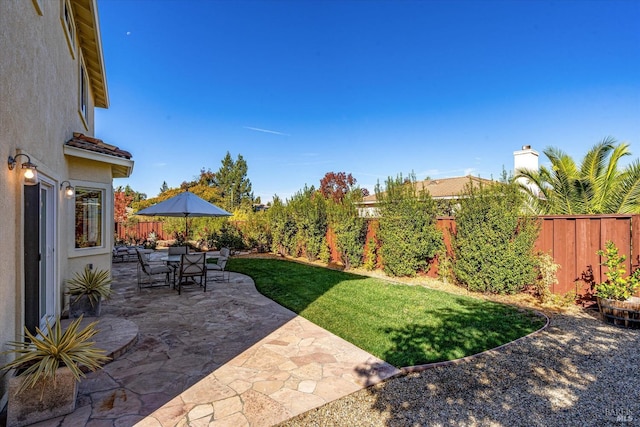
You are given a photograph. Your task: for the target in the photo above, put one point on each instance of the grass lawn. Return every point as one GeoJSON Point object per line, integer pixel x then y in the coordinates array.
{"type": "Point", "coordinates": [403, 325]}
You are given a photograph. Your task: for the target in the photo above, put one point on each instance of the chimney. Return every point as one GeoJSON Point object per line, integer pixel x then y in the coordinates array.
{"type": "Point", "coordinates": [527, 158]}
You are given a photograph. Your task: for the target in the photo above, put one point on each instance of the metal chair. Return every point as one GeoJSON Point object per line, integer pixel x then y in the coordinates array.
{"type": "Point", "coordinates": [177, 250]}
{"type": "Point", "coordinates": [173, 251]}
{"type": "Point", "coordinates": [220, 266]}
{"type": "Point", "coordinates": [221, 262]}
{"type": "Point", "coordinates": [192, 266]}
{"type": "Point", "coordinates": [150, 272]}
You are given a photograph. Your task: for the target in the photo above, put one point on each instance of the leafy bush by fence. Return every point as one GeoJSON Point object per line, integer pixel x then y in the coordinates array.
{"type": "Point", "coordinates": [493, 243]}
{"type": "Point", "coordinates": [408, 235]}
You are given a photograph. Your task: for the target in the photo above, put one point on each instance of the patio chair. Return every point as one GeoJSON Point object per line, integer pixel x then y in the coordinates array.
{"type": "Point", "coordinates": [120, 253]}
{"type": "Point", "coordinates": [148, 273]}
{"type": "Point", "coordinates": [176, 250]}
{"type": "Point", "coordinates": [192, 266]}
{"type": "Point", "coordinates": [220, 266]}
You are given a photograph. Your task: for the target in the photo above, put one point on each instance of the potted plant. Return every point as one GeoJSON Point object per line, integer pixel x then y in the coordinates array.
{"type": "Point", "coordinates": [49, 367]}
{"type": "Point", "coordinates": [615, 298]}
{"type": "Point", "coordinates": [87, 290]}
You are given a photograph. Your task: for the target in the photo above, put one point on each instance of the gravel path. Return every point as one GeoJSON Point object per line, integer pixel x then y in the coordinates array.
{"type": "Point", "coordinates": [577, 372]}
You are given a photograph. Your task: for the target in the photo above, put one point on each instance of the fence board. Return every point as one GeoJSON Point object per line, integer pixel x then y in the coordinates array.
{"type": "Point", "coordinates": [635, 241]}
{"type": "Point", "coordinates": [564, 246]}
{"type": "Point", "coordinates": [544, 243]}
{"type": "Point", "coordinates": [140, 230]}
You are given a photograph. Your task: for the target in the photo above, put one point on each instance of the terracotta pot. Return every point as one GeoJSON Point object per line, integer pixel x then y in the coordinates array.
{"type": "Point", "coordinates": [47, 400]}
{"type": "Point", "coordinates": [620, 313]}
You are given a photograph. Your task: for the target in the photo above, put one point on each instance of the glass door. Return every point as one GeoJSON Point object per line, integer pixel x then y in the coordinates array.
{"type": "Point", "coordinates": [47, 246]}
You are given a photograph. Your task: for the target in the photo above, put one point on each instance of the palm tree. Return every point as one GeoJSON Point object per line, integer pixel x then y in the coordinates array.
{"type": "Point", "coordinates": [596, 186]}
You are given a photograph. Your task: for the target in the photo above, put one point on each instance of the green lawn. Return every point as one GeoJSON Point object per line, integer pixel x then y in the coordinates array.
{"type": "Point", "coordinates": [403, 325]}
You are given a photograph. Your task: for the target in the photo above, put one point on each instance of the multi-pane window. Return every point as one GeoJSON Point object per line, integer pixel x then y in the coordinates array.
{"type": "Point", "coordinates": [89, 203]}
{"type": "Point", "coordinates": [68, 24]}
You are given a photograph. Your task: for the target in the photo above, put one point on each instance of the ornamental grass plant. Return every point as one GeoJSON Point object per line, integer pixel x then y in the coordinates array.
{"type": "Point", "coordinates": [94, 284]}
{"type": "Point", "coordinates": [41, 354]}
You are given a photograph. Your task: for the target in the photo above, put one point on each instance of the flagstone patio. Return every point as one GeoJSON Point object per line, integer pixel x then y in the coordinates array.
{"type": "Point", "coordinates": [228, 356]}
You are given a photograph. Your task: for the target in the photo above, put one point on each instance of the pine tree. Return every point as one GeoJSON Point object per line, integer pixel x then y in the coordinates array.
{"type": "Point", "coordinates": [231, 179]}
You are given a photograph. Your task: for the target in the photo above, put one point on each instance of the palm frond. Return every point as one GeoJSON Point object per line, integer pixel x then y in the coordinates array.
{"type": "Point", "coordinates": [626, 196]}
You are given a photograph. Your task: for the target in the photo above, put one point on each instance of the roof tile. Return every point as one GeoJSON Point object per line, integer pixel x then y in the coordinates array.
{"type": "Point", "coordinates": [96, 145]}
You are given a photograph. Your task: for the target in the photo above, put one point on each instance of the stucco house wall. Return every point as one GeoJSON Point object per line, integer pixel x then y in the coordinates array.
{"type": "Point", "coordinates": [42, 56]}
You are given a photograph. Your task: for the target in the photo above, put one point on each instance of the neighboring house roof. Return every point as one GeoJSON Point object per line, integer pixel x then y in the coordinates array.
{"type": "Point", "coordinates": [85, 13]}
{"type": "Point", "coordinates": [445, 188]}
{"type": "Point", "coordinates": [95, 149]}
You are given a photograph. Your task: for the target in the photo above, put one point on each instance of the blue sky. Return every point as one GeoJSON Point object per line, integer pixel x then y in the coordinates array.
{"type": "Point", "coordinates": [372, 88]}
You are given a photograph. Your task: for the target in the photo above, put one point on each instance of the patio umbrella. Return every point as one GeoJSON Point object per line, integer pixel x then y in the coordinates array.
{"type": "Point", "coordinates": [184, 205]}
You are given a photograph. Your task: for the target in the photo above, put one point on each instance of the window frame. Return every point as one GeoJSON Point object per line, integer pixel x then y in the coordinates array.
{"type": "Point", "coordinates": [83, 93]}
{"type": "Point", "coordinates": [68, 25]}
{"type": "Point", "coordinates": [38, 6]}
{"type": "Point", "coordinates": [105, 210]}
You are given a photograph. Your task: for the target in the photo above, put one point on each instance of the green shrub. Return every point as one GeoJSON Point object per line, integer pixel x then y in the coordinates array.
{"type": "Point", "coordinates": [283, 228]}
{"type": "Point", "coordinates": [227, 237]}
{"type": "Point", "coordinates": [256, 233]}
{"type": "Point", "coordinates": [325, 252]}
{"type": "Point", "coordinates": [408, 234]}
{"type": "Point", "coordinates": [546, 276]}
{"type": "Point", "coordinates": [493, 243]}
{"type": "Point", "coordinates": [617, 286]}
{"type": "Point", "coordinates": [371, 255]}
{"type": "Point", "coordinates": [445, 267]}
{"type": "Point", "coordinates": [309, 210]}
{"type": "Point", "coordinates": [349, 227]}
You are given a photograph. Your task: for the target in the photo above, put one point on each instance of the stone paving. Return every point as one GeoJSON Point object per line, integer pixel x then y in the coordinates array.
{"type": "Point", "coordinates": [225, 357]}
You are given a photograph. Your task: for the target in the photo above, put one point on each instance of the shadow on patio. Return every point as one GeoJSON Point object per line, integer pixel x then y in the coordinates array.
{"type": "Point", "coordinates": [228, 355]}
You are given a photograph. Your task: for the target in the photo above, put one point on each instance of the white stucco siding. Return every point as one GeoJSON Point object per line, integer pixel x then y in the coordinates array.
{"type": "Point", "coordinates": [39, 111]}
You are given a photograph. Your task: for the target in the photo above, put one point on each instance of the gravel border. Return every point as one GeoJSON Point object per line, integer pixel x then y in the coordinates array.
{"type": "Point", "coordinates": [578, 371]}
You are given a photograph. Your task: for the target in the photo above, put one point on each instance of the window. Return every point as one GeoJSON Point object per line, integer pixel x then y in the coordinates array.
{"type": "Point", "coordinates": [88, 217]}
{"type": "Point", "coordinates": [84, 94]}
{"type": "Point", "coordinates": [68, 25]}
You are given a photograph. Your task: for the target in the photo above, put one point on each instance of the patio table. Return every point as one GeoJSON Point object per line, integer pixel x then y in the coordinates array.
{"type": "Point", "coordinates": [173, 261]}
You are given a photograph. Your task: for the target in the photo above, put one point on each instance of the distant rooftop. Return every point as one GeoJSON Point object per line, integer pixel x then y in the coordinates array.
{"type": "Point", "coordinates": [444, 188]}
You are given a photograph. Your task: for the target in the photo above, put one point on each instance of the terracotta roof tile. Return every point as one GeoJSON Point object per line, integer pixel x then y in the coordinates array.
{"type": "Point", "coordinates": [96, 145]}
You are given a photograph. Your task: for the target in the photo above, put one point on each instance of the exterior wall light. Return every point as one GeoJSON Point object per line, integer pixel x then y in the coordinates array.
{"type": "Point", "coordinates": [30, 174]}
{"type": "Point", "coordinates": [69, 191]}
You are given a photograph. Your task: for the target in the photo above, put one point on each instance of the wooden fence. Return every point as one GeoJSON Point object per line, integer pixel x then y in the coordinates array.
{"type": "Point", "coordinates": [140, 231]}
{"type": "Point", "coordinates": [572, 242]}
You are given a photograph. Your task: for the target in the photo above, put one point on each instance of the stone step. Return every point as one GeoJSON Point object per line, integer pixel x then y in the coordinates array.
{"type": "Point", "coordinates": [115, 335]}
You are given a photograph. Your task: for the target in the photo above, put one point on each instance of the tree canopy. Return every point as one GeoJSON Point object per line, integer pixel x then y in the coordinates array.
{"type": "Point", "coordinates": [596, 186]}
{"type": "Point", "coordinates": [231, 179]}
{"type": "Point", "coordinates": [336, 185]}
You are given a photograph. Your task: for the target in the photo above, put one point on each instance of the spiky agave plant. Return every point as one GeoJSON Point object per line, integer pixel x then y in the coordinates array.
{"type": "Point", "coordinates": [40, 355]}
{"type": "Point", "coordinates": [92, 283]}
